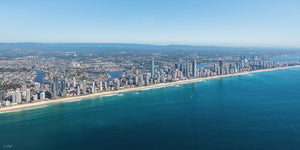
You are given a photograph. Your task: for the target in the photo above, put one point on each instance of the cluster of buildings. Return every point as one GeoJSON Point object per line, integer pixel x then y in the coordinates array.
{"type": "Point", "coordinates": [62, 85]}
{"type": "Point", "coordinates": [24, 95]}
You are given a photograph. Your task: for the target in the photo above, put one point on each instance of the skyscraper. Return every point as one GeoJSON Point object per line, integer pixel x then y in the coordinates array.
{"type": "Point", "coordinates": [130, 79]}
{"type": "Point", "coordinates": [140, 80]}
{"type": "Point", "coordinates": [158, 77]}
{"type": "Point", "coordinates": [221, 63]}
{"type": "Point", "coordinates": [100, 86]}
{"type": "Point", "coordinates": [55, 87]}
{"type": "Point", "coordinates": [53, 90]}
{"type": "Point", "coordinates": [136, 80]}
{"type": "Point", "coordinates": [194, 68]}
{"type": "Point", "coordinates": [118, 84]}
{"type": "Point", "coordinates": [23, 90]}
{"type": "Point", "coordinates": [152, 68]}
{"type": "Point", "coordinates": [146, 77]}
{"type": "Point", "coordinates": [2, 96]}
{"type": "Point", "coordinates": [180, 67]}
{"type": "Point", "coordinates": [12, 96]}
{"type": "Point", "coordinates": [27, 95]}
{"type": "Point", "coordinates": [93, 87]}
{"type": "Point", "coordinates": [162, 75]}
{"type": "Point", "coordinates": [177, 66]}
{"type": "Point", "coordinates": [63, 89]}
{"type": "Point", "coordinates": [187, 71]}
{"type": "Point", "coordinates": [43, 95]}
{"type": "Point", "coordinates": [84, 87]}
{"type": "Point", "coordinates": [215, 68]}
{"type": "Point", "coordinates": [35, 97]}
{"type": "Point", "coordinates": [174, 75]}
{"type": "Point", "coordinates": [74, 82]}
{"type": "Point", "coordinates": [18, 97]}
{"type": "Point", "coordinates": [105, 86]}
{"type": "Point", "coordinates": [78, 90]}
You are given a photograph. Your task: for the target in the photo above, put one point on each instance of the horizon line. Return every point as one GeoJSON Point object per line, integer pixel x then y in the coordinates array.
{"type": "Point", "coordinates": [151, 44]}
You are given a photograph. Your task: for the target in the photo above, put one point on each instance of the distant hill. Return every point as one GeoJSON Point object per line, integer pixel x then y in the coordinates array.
{"type": "Point", "coordinates": [118, 46]}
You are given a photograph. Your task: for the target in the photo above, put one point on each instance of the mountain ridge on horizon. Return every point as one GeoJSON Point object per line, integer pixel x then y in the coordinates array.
{"type": "Point", "coordinates": [136, 44]}
{"type": "Point", "coordinates": [64, 47]}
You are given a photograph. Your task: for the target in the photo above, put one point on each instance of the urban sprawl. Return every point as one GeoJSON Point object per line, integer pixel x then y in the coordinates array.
{"type": "Point", "coordinates": [30, 79]}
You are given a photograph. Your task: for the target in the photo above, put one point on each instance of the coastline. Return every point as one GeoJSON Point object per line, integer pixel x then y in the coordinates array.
{"type": "Point", "coordinates": [75, 98]}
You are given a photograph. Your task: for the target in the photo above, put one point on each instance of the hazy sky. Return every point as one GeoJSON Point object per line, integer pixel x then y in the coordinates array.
{"type": "Point", "coordinates": [196, 22]}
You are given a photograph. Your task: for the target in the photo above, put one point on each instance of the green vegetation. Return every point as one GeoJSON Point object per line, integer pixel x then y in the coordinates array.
{"type": "Point", "coordinates": [10, 86]}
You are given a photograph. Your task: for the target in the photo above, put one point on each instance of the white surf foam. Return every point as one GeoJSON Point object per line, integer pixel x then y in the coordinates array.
{"type": "Point", "coordinates": [75, 100]}
{"type": "Point", "coordinates": [36, 107]}
{"type": "Point", "coordinates": [117, 94]}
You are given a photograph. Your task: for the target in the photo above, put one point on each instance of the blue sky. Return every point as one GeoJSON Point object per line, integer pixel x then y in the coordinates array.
{"type": "Point", "coordinates": [194, 22]}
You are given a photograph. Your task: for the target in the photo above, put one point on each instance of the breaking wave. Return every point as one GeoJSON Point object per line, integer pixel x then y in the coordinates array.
{"type": "Point", "coordinates": [30, 108]}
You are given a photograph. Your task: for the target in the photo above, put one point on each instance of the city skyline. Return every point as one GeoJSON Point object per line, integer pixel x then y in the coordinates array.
{"type": "Point", "coordinates": [149, 74]}
{"type": "Point", "coordinates": [39, 75]}
{"type": "Point", "coordinates": [216, 23]}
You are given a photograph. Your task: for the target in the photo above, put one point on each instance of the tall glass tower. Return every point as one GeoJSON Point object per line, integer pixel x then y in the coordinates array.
{"type": "Point", "coordinates": [194, 68]}
{"type": "Point", "coordinates": [152, 68]}
{"type": "Point", "coordinates": [221, 67]}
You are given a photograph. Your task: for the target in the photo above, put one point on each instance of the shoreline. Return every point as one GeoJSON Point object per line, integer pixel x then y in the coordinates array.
{"type": "Point", "coordinates": [160, 85]}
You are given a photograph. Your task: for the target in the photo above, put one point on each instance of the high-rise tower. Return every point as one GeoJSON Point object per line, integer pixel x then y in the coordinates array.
{"type": "Point", "coordinates": [27, 96]}
{"type": "Point", "coordinates": [194, 68]}
{"type": "Point", "coordinates": [74, 82]}
{"type": "Point", "coordinates": [2, 96]}
{"type": "Point", "coordinates": [152, 68]}
{"type": "Point", "coordinates": [187, 71]}
{"type": "Point", "coordinates": [84, 87]}
{"type": "Point", "coordinates": [221, 63]}
{"type": "Point", "coordinates": [63, 88]}
{"type": "Point", "coordinates": [53, 90]}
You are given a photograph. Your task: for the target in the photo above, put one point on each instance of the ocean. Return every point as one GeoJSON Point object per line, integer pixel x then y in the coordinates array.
{"type": "Point", "coordinates": [253, 111]}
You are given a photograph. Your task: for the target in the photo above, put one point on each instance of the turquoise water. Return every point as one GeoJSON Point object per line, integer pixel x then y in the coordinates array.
{"type": "Point", "coordinates": [253, 111]}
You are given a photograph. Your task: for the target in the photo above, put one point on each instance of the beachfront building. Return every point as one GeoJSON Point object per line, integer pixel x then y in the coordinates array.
{"type": "Point", "coordinates": [194, 68]}
{"type": "Point", "coordinates": [221, 63]}
{"type": "Point", "coordinates": [27, 95]}
{"type": "Point", "coordinates": [84, 87]}
{"type": "Point", "coordinates": [42, 95]}
{"type": "Point", "coordinates": [152, 68]}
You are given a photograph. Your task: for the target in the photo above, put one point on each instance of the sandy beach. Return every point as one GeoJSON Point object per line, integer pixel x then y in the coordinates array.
{"type": "Point", "coordinates": [42, 103]}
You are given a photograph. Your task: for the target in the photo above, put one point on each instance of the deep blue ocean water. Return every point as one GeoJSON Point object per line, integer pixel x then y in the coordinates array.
{"type": "Point", "coordinates": [253, 111]}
